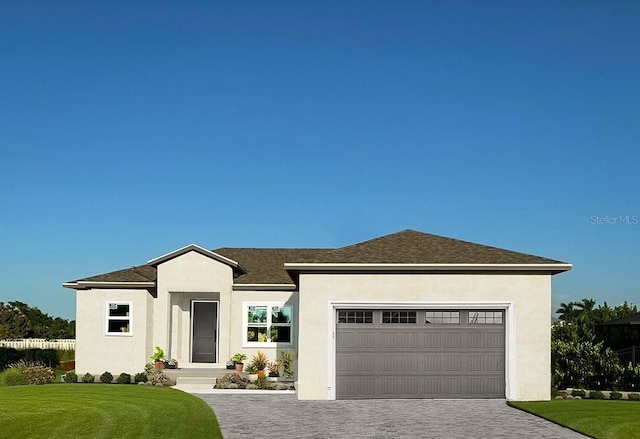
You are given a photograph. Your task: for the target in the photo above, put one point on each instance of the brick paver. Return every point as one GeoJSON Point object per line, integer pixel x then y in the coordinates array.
{"type": "Point", "coordinates": [283, 416]}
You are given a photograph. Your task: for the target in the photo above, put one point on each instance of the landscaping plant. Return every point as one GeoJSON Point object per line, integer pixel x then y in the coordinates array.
{"type": "Point", "coordinates": [106, 378]}
{"type": "Point", "coordinates": [124, 378]}
{"type": "Point", "coordinates": [39, 374]}
{"type": "Point", "coordinates": [88, 378]}
{"type": "Point", "coordinates": [70, 377]}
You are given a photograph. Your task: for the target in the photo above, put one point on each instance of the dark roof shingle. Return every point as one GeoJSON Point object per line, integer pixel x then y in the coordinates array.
{"type": "Point", "coordinates": [266, 265]}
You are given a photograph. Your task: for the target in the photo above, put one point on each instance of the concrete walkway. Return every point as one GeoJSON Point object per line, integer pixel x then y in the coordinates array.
{"type": "Point", "coordinates": [283, 416]}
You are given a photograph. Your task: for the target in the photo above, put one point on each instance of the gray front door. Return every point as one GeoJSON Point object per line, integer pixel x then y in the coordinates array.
{"type": "Point", "coordinates": [420, 354]}
{"type": "Point", "coordinates": [204, 320]}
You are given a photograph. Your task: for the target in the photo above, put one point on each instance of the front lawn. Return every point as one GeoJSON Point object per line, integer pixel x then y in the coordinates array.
{"type": "Point", "coordinates": [103, 411]}
{"type": "Point", "coordinates": [600, 419]}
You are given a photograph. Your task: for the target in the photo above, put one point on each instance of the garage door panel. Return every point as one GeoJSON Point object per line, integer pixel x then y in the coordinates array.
{"type": "Point", "coordinates": [418, 360]}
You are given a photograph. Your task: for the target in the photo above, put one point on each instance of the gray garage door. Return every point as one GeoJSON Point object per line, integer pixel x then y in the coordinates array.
{"type": "Point", "coordinates": [420, 354]}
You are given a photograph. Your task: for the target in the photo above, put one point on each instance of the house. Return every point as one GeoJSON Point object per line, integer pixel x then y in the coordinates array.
{"type": "Point", "coordinates": [406, 315]}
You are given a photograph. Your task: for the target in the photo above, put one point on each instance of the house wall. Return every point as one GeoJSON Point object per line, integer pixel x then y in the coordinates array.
{"type": "Point", "coordinates": [528, 329]}
{"type": "Point", "coordinates": [97, 352]}
{"type": "Point", "coordinates": [184, 278]}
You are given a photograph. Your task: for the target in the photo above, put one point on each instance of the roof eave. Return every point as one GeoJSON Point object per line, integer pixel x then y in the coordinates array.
{"type": "Point", "coordinates": [264, 287]}
{"type": "Point", "coordinates": [85, 285]}
{"type": "Point", "coordinates": [547, 268]}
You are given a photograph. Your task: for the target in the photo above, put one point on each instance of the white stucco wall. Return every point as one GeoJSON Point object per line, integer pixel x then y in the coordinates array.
{"type": "Point", "coordinates": [96, 351]}
{"type": "Point", "coordinates": [527, 297]}
{"type": "Point", "coordinates": [191, 276]}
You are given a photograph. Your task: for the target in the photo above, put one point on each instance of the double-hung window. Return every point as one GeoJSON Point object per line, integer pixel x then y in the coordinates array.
{"type": "Point", "coordinates": [268, 324]}
{"type": "Point", "coordinates": [118, 318]}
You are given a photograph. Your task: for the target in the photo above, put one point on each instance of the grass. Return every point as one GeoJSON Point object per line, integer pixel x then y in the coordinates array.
{"type": "Point", "coordinates": [596, 418]}
{"type": "Point", "coordinates": [110, 411]}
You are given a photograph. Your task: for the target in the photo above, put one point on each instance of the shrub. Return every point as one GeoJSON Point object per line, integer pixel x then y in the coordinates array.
{"type": "Point", "coordinates": [124, 378]}
{"type": "Point", "coordinates": [106, 378]}
{"type": "Point", "coordinates": [140, 378]}
{"type": "Point", "coordinates": [231, 381]}
{"type": "Point", "coordinates": [70, 377]}
{"type": "Point", "coordinates": [48, 357]}
{"type": "Point", "coordinates": [8, 356]}
{"type": "Point", "coordinates": [66, 355]}
{"type": "Point", "coordinates": [578, 392]}
{"type": "Point", "coordinates": [13, 377]}
{"type": "Point", "coordinates": [40, 374]}
{"type": "Point", "coordinates": [615, 395]}
{"type": "Point", "coordinates": [634, 396]}
{"type": "Point", "coordinates": [596, 394]}
{"type": "Point", "coordinates": [88, 378]}
{"type": "Point", "coordinates": [158, 377]}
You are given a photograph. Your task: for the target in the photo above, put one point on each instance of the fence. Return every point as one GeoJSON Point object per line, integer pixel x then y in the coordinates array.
{"type": "Point", "coordinates": [39, 343]}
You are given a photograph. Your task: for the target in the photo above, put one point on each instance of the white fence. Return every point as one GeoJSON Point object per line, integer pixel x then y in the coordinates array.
{"type": "Point", "coordinates": [39, 343]}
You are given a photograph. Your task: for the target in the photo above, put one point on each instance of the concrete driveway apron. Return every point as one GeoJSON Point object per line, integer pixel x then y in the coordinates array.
{"type": "Point", "coordinates": [283, 416]}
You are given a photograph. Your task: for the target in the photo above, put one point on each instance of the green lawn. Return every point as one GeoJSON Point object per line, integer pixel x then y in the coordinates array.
{"type": "Point", "coordinates": [103, 411]}
{"type": "Point", "coordinates": [600, 419]}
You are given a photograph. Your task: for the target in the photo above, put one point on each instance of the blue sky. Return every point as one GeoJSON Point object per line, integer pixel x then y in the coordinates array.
{"type": "Point", "coordinates": [129, 129]}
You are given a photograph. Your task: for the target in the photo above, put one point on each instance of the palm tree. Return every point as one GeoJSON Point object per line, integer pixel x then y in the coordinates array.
{"type": "Point", "coordinates": [567, 311]}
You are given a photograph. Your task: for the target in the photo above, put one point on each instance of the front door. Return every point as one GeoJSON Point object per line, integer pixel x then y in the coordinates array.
{"type": "Point", "coordinates": [204, 323]}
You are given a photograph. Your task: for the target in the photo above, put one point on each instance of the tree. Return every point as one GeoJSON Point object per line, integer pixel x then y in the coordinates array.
{"type": "Point", "coordinates": [581, 348]}
{"type": "Point", "coordinates": [19, 320]}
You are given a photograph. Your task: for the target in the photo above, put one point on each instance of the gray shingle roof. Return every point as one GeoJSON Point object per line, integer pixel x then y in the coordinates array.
{"type": "Point", "coordinates": [265, 265]}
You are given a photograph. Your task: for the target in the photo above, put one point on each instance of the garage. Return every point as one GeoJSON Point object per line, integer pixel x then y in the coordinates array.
{"type": "Point", "coordinates": [420, 353]}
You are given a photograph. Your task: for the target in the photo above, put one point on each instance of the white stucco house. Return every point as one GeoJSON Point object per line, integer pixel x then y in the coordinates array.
{"type": "Point", "coordinates": [406, 315]}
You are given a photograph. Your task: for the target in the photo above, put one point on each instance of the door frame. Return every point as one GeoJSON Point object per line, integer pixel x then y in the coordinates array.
{"type": "Point", "coordinates": [217, 334]}
{"type": "Point", "coordinates": [509, 329]}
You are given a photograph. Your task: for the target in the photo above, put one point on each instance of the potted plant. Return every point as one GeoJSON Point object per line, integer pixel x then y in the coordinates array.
{"type": "Point", "coordinates": [238, 361]}
{"type": "Point", "coordinates": [274, 371]}
{"type": "Point", "coordinates": [251, 371]}
{"type": "Point", "coordinates": [158, 358]}
{"type": "Point", "coordinates": [260, 362]}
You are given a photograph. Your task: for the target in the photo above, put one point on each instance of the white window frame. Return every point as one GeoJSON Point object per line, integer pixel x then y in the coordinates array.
{"type": "Point", "coordinates": [108, 318]}
{"type": "Point", "coordinates": [268, 343]}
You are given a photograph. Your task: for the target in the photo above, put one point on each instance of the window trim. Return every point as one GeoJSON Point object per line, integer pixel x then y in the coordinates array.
{"type": "Point", "coordinates": [268, 325]}
{"type": "Point", "coordinates": [108, 318]}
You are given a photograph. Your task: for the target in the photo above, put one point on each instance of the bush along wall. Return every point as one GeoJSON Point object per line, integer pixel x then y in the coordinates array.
{"type": "Point", "coordinates": [48, 357]}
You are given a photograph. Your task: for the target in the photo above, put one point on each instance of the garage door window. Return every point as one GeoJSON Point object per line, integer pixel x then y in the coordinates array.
{"type": "Point", "coordinates": [485, 317]}
{"type": "Point", "coordinates": [355, 316]}
{"type": "Point", "coordinates": [399, 317]}
{"type": "Point", "coordinates": [443, 317]}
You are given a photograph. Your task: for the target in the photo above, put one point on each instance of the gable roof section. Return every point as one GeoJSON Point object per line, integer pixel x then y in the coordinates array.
{"type": "Point", "coordinates": [193, 248]}
{"type": "Point", "coordinates": [406, 250]}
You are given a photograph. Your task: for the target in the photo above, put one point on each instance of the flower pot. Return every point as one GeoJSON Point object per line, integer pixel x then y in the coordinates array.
{"type": "Point", "coordinates": [261, 373]}
{"type": "Point", "coordinates": [239, 367]}
{"type": "Point", "coordinates": [68, 365]}
{"type": "Point", "coordinates": [158, 364]}
{"type": "Point", "coordinates": [272, 379]}
{"type": "Point", "coordinates": [253, 376]}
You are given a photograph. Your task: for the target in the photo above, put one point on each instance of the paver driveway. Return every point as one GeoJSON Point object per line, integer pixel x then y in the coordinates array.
{"type": "Point", "coordinates": [283, 416]}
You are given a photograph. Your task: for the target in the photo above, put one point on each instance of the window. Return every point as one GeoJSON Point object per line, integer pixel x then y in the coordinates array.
{"type": "Point", "coordinates": [399, 317]}
{"type": "Point", "coordinates": [355, 316]}
{"type": "Point", "coordinates": [485, 317]}
{"type": "Point", "coordinates": [267, 323]}
{"type": "Point", "coordinates": [119, 318]}
{"type": "Point", "coordinates": [443, 317]}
